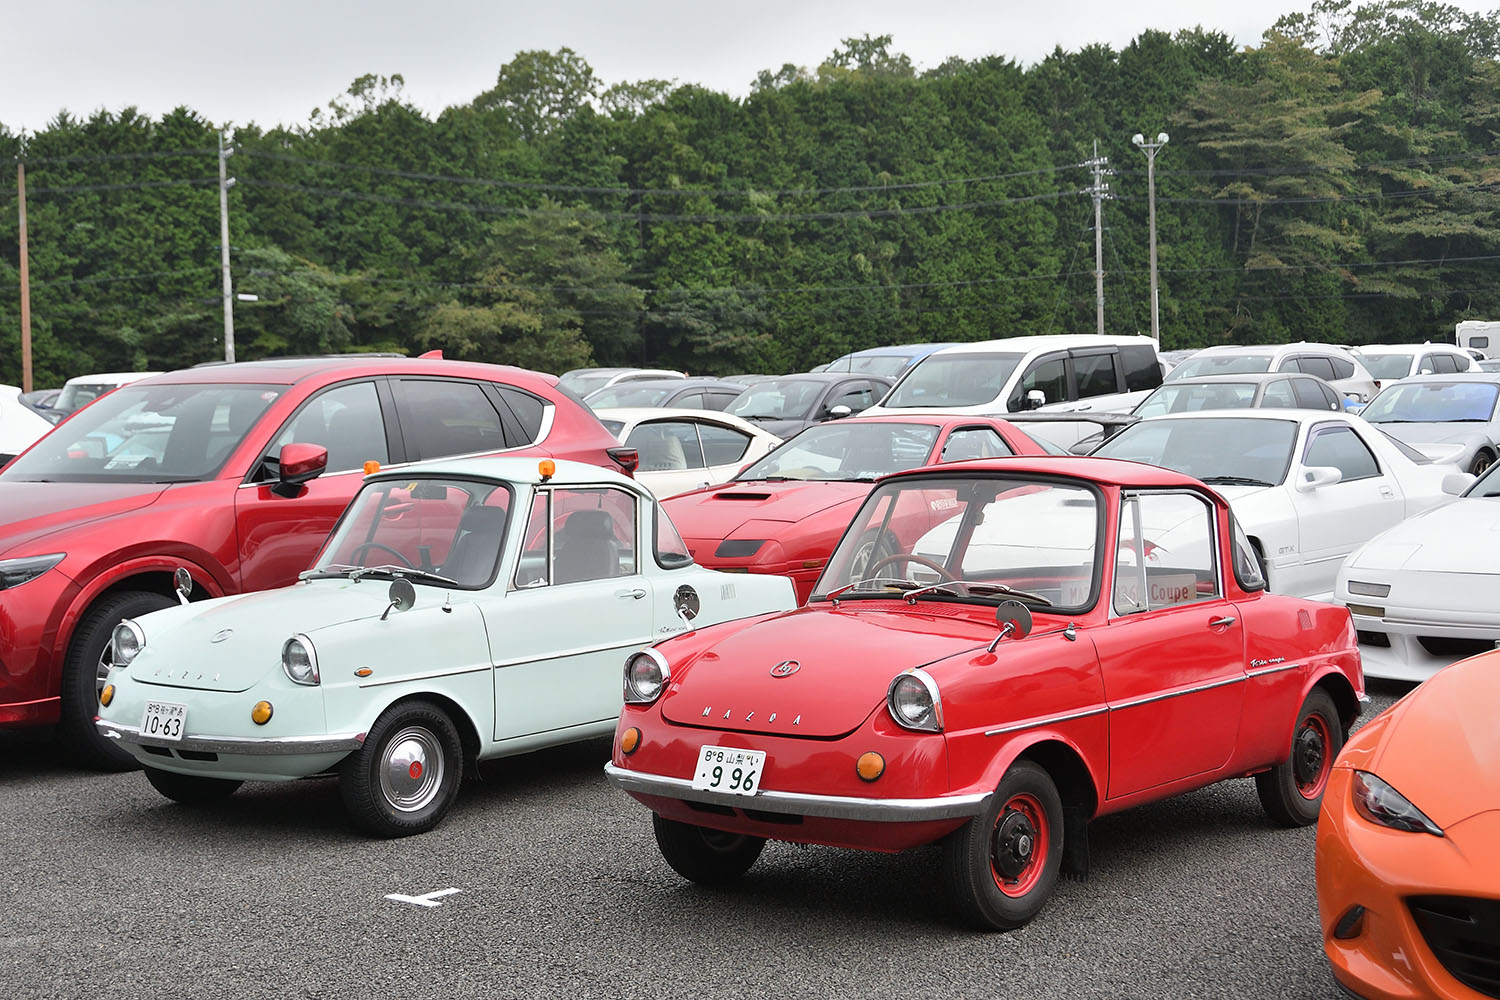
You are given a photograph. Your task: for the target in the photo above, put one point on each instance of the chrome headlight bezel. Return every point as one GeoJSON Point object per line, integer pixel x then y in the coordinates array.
{"type": "Point", "coordinates": [915, 688]}
{"type": "Point", "coordinates": [126, 640]}
{"type": "Point", "coordinates": [15, 572]}
{"type": "Point", "coordinates": [1375, 800]}
{"type": "Point", "coordinates": [652, 680]}
{"type": "Point", "coordinates": [307, 675]}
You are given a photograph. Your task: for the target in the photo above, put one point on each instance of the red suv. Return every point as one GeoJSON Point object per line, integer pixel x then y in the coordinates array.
{"type": "Point", "coordinates": [236, 472]}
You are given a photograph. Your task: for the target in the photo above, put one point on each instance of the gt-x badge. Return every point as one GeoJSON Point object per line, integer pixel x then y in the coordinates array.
{"type": "Point", "coordinates": [785, 668]}
{"type": "Point", "coordinates": [221, 635]}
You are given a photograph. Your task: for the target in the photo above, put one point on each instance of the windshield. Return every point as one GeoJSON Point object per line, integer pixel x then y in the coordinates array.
{"type": "Point", "coordinates": [447, 532]}
{"type": "Point", "coordinates": [1029, 539]}
{"type": "Point", "coordinates": [1384, 366]}
{"type": "Point", "coordinates": [777, 399]}
{"type": "Point", "coordinates": [955, 380]}
{"type": "Point", "coordinates": [1433, 402]}
{"type": "Point", "coordinates": [1261, 452]}
{"type": "Point", "coordinates": [1220, 364]}
{"type": "Point", "coordinates": [626, 394]}
{"type": "Point", "coordinates": [843, 450]}
{"type": "Point", "coordinates": [888, 365]}
{"type": "Point", "coordinates": [1487, 485]}
{"type": "Point", "coordinates": [148, 434]}
{"type": "Point", "coordinates": [1197, 396]}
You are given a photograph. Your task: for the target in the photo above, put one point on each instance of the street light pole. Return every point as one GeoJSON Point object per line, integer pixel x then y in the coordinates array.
{"type": "Point", "coordinates": [1150, 149]}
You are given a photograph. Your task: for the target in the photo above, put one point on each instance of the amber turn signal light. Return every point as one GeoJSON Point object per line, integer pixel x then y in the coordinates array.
{"type": "Point", "coordinates": [869, 766]}
{"type": "Point", "coordinates": [107, 695]}
{"type": "Point", "coordinates": [630, 742]}
{"type": "Point", "coordinates": [261, 713]}
{"type": "Point", "coordinates": [363, 672]}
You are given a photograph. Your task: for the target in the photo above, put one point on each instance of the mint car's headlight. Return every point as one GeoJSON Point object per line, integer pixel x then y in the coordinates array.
{"type": "Point", "coordinates": [914, 702]}
{"type": "Point", "coordinates": [300, 660]}
{"type": "Point", "coordinates": [1379, 803]}
{"type": "Point", "coordinates": [126, 642]}
{"type": "Point", "coordinates": [646, 676]}
{"type": "Point", "coordinates": [14, 572]}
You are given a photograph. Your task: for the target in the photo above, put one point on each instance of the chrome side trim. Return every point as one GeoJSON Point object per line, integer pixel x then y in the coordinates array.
{"type": "Point", "coordinates": [635, 645]}
{"type": "Point", "coordinates": [1273, 670]}
{"type": "Point", "coordinates": [797, 803]}
{"type": "Point", "coordinates": [1177, 694]}
{"type": "Point", "coordinates": [249, 745]}
{"type": "Point", "coordinates": [405, 678]}
{"type": "Point", "coordinates": [1047, 721]}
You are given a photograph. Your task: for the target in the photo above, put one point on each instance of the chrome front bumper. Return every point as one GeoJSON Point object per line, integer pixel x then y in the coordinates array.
{"type": "Point", "coordinates": [800, 804]}
{"type": "Point", "coordinates": [248, 745]}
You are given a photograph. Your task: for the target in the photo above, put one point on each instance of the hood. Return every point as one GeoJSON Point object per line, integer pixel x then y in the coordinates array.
{"type": "Point", "coordinates": [180, 650]}
{"type": "Point", "coordinates": [31, 511]}
{"type": "Point", "coordinates": [1234, 493]}
{"type": "Point", "coordinates": [717, 512]}
{"type": "Point", "coordinates": [1434, 433]}
{"type": "Point", "coordinates": [1443, 750]}
{"type": "Point", "coordinates": [847, 658]}
{"type": "Point", "coordinates": [1458, 537]}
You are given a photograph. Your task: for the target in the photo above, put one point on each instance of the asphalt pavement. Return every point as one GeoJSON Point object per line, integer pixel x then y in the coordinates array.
{"type": "Point", "coordinates": [113, 892]}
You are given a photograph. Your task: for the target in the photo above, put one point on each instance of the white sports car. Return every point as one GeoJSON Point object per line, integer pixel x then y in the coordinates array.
{"type": "Point", "coordinates": [1427, 592]}
{"type": "Point", "coordinates": [684, 450]}
{"type": "Point", "coordinates": [1308, 486]}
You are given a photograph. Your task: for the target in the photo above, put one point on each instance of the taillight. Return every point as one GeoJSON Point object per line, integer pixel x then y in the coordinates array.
{"type": "Point", "coordinates": [626, 458]}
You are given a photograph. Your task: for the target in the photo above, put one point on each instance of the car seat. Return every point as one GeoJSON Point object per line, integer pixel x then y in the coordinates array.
{"type": "Point", "coordinates": [471, 560]}
{"type": "Point", "coordinates": [586, 548]}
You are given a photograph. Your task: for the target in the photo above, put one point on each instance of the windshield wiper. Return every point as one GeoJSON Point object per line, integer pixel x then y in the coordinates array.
{"type": "Point", "coordinates": [354, 573]}
{"type": "Point", "coordinates": [975, 587]}
{"type": "Point", "coordinates": [329, 572]}
{"type": "Point", "coordinates": [1236, 481]}
{"type": "Point", "coordinates": [887, 582]}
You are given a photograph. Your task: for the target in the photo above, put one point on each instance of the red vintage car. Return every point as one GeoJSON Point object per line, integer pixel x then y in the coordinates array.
{"type": "Point", "coordinates": [783, 514]}
{"type": "Point", "coordinates": [1070, 637]}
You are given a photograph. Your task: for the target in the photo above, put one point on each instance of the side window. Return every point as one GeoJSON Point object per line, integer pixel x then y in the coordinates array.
{"type": "Point", "coordinates": [974, 442]}
{"type": "Point", "coordinates": [1338, 446]}
{"type": "Point", "coordinates": [1047, 374]}
{"type": "Point", "coordinates": [690, 401]}
{"type": "Point", "coordinates": [575, 535]}
{"type": "Point", "coordinates": [671, 551]}
{"type": "Point", "coordinates": [1247, 571]}
{"type": "Point", "coordinates": [534, 568]}
{"type": "Point", "coordinates": [1445, 364]}
{"type": "Point", "coordinates": [1331, 397]}
{"type": "Point", "coordinates": [1150, 576]}
{"type": "Point", "coordinates": [1279, 393]}
{"type": "Point", "coordinates": [1288, 364]}
{"type": "Point", "coordinates": [1094, 374]}
{"type": "Point", "coordinates": [718, 400]}
{"type": "Point", "coordinates": [1342, 367]}
{"type": "Point", "coordinates": [1321, 367]}
{"type": "Point", "coordinates": [347, 421]}
{"type": "Point", "coordinates": [1478, 342]}
{"type": "Point", "coordinates": [1311, 394]}
{"type": "Point", "coordinates": [528, 410]}
{"type": "Point", "coordinates": [440, 418]}
{"type": "Point", "coordinates": [666, 445]}
{"type": "Point", "coordinates": [1142, 370]}
{"type": "Point", "coordinates": [855, 395]}
{"type": "Point", "coordinates": [722, 445]}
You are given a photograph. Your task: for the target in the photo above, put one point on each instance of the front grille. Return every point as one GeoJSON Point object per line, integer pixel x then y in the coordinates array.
{"type": "Point", "coordinates": [1464, 935]}
{"type": "Point", "coordinates": [1442, 645]}
{"type": "Point", "coordinates": [1375, 639]}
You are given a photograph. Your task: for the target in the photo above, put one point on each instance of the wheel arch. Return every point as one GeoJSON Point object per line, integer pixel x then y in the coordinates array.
{"type": "Point", "coordinates": [468, 731]}
{"type": "Point", "coordinates": [1342, 693]}
{"type": "Point", "coordinates": [1075, 782]}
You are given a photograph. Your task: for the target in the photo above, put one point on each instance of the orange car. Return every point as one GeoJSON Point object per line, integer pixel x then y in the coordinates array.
{"type": "Point", "coordinates": [1409, 844]}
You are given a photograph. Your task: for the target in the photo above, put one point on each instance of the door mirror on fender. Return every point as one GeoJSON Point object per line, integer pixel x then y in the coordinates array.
{"type": "Point", "coordinates": [1316, 477]}
{"type": "Point", "coordinates": [297, 464]}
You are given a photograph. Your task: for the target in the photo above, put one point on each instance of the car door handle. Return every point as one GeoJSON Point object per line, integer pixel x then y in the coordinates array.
{"type": "Point", "coordinates": [638, 593]}
{"type": "Point", "coordinates": [1224, 622]}
{"type": "Point", "coordinates": [1387, 492]}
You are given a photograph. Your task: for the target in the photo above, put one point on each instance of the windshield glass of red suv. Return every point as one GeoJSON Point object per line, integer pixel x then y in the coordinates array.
{"type": "Point", "coordinates": [148, 434]}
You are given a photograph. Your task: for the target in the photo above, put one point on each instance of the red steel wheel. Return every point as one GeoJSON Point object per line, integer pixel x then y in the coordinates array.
{"type": "Point", "coordinates": [1310, 760]}
{"type": "Point", "coordinates": [1292, 791]}
{"type": "Point", "coordinates": [1019, 845]}
{"type": "Point", "coordinates": [1001, 866]}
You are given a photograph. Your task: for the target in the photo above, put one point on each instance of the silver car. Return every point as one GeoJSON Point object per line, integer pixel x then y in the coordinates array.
{"type": "Point", "coordinates": [1448, 418]}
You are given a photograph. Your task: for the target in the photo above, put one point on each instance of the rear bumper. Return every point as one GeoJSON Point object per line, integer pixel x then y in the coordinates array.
{"type": "Point", "coordinates": [243, 745]}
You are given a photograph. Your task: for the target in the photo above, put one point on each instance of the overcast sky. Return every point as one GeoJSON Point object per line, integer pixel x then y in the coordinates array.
{"type": "Point", "coordinates": [273, 61]}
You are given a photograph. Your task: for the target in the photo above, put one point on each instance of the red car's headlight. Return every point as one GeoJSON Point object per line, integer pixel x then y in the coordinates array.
{"type": "Point", "coordinates": [914, 701]}
{"type": "Point", "coordinates": [1379, 803]}
{"type": "Point", "coordinates": [646, 676]}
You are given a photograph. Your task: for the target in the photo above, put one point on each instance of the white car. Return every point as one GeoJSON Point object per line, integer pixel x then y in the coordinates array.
{"type": "Point", "coordinates": [20, 425]}
{"type": "Point", "coordinates": [461, 610]}
{"type": "Point", "coordinates": [1334, 365]}
{"type": "Point", "coordinates": [81, 390]}
{"type": "Point", "coordinates": [1427, 592]}
{"type": "Point", "coordinates": [1307, 486]}
{"type": "Point", "coordinates": [684, 450]}
{"type": "Point", "coordinates": [582, 381]}
{"type": "Point", "coordinates": [1391, 362]}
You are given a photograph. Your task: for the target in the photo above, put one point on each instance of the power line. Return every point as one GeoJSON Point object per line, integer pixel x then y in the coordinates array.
{"type": "Point", "coordinates": [137, 186]}
{"type": "Point", "coordinates": [1485, 187]}
{"type": "Point", "coordinates": [1307, 169]}
{"type": "Point", "coordinates": [32, 161]}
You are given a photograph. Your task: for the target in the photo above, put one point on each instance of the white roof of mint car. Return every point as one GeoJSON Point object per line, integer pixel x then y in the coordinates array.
{"type": "Point", "coordinates": [515, 470]}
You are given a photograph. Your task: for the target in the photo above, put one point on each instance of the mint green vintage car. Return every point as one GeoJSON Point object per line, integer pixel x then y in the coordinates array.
{"type": "Point", "coordinates": [461, 610]}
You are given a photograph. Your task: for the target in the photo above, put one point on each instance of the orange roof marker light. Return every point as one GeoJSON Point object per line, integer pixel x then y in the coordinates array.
{"type": "Point", "coordinates": [372, 467]}
{"type": "Point", "coordinates": [547, 468]}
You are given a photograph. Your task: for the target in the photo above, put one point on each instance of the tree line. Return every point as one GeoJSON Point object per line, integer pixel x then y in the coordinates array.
{"type": "Point", "coordinates": [1336, 182]}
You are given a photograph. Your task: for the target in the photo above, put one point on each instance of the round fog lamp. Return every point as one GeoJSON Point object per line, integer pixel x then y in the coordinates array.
{"type": "Point", "coordinates": [107, 695]}
{"type": "Point", "coordinates": [261, 713]}
{"type": "Point", "coordinates": [869, 766]}
{"type": "Point", "coordinates": [631, 741]}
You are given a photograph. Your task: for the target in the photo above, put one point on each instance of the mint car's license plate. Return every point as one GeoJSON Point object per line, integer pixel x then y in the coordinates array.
{"type": "Point", "coordinates": [729, 769]}
{"type": "Point", "coordinates": [163, 720]}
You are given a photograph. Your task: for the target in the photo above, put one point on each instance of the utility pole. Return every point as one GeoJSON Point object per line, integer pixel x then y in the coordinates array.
{"type": "Point", "coordinates": [1100, 191]}
{"type": "Point", "coordinates": [1150, 149]}
{"type": "Point", "coordinates": [25, 282]}
{"type": "Point", "coordinates": [225, 183]}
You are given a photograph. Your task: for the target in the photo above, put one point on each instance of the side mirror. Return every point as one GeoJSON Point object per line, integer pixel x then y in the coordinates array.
{"type": "Point", "coordinates": [1014, 619]}
{"type": "Point", "coordinates": [1425, 371]}
{"type": "Point", "coordinates": [1035, 399]}
{"type": "Point", "coordinates": [1316, 477]}
{"type": "Point", "coordinates": [183, 580]}
{"type": "Point", "coordinates": [1454, 483]}
{"type": "Point", "coordinates": [402, 595]}
{"type": "Point", "coordinates": [297, 464]}
{"type": "Point", "coordinates": [839, 412]}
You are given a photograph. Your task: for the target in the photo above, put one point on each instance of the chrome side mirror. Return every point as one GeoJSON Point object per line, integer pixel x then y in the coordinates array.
{"type": "Point", "coordinates": [183, 581]}
{"type": "Point", "coordinates": [402, 595]}
{"type": "Point", "coordinates": [1014, 619]}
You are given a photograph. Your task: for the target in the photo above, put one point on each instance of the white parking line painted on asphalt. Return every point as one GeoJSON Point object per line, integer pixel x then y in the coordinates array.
{"type": "Point", "coordinates": [428, 899]}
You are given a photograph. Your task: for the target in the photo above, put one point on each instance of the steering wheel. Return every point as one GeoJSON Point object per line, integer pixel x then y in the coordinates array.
{"type": "Point", "coordinates": [873, 570]}
{"type": "Point", "coordinates": [357, 556]}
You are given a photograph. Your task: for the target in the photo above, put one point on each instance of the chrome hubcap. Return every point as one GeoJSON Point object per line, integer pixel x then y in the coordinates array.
{"type": "Point", "coordinates": [411, 771]}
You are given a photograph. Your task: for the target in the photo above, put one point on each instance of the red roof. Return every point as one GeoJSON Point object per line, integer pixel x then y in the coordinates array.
{"type": "Point", "coordinates": [287, 371]}
{"type": "Point", "coordinates": [1111, 471]}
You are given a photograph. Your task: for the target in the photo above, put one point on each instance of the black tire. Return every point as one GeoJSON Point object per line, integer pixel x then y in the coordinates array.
{"type": "Point", "coordinates": [704, 856]}
{"type": "Point", "coordinates": [388, 786]}
{"type": "Point", "coordinates": [82, 679]}
{"type": "Point", "coordinates": [995, 877]}
{"type": "Point", "coordinates": [1292, 791]}
{"type": "Point", "coordinates": [1482, 460]}
{"type": "Point", "coordinates": [191, 789]}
